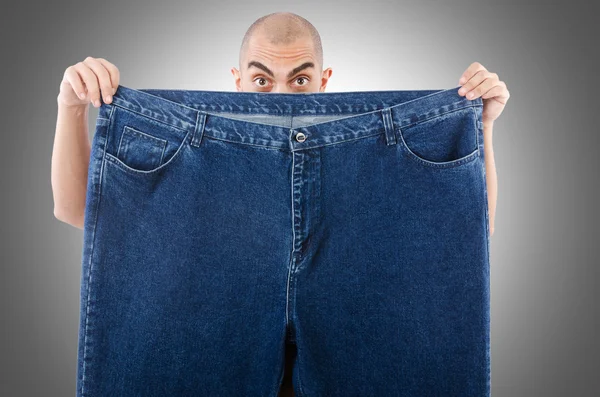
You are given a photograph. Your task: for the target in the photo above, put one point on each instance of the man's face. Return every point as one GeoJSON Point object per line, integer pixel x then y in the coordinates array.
{"type": "Point", "coordinates": [280, 69]}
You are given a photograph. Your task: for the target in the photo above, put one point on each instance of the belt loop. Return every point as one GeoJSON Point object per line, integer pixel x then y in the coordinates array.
{"type": "Point", "coordinates": [198, 129]}
{"type": "Point", "coordinates": [389, 126]}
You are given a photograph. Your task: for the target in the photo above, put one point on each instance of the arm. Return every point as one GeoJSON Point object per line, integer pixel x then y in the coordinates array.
{"type": "Point", "coordinates": [82, 83]}
{"type": "Point", "coordinates": [490, 170]}
{"type": "Point", "coordinates": [70, 159]}
{"type": "Point", "coordinates": [477, 82]}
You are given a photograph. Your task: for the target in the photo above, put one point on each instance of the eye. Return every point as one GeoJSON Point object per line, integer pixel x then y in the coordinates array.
{"type": "Point", "coordinates": [261, 79]}
{"type": "Point", "coordinates": [302, 78]}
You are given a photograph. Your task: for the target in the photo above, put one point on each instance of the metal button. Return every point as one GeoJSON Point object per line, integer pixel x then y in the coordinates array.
{"type": "Point", "coordinates": [300, 137]}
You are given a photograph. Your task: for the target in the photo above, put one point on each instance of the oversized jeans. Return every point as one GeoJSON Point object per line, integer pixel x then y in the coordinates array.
{"type": "Point", "coordinates": [221, 226]}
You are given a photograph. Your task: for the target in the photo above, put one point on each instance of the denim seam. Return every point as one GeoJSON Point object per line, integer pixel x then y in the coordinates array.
{"type": "Point", "coordinates": [296, 150]}
{"type": "Point", "coordinates": [298, 349]}
{"type": "Point", "coordinates": [336, 120]}
{"type": "Point", "coordinates": [447, 164]}
{"type": "Point", "coordinates": [476, 127]}
{"type": "Point", "coordinates": [295, 282]}
{"type": "Point", "coordinates": [354, 115]}
{"type": "Point", "coordinates": [248, 121]}
{"type": "Point", "coordinates": [439, 165]}
{"type": "Point", "coordinates": [435, 116]}
{"type": "Point", "coordinates": [344, 140]}
{"type": "Point", "coordinates": [157, 141]}
{"type": "Point", "coordinates": [291, 261]}
{"type": "Point", "coordinates": [119, 163]}
{"type": "Point", "coordinates": [283, 144]}
{"type": "Point", "coordinates": [91, 253]}
{"type": "Point", "coordinates": [152, 118]}
{"type": "Point", "coordinates": [217, 114]}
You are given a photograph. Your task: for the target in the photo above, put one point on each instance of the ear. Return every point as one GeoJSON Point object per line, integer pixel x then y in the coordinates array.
{"type": "Point", "coordinates": [237, 79]}
{"type": "Point", "coordinates": [325, 78]}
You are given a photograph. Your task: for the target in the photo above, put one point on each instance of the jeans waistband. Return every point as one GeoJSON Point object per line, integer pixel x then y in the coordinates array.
{"type": "Point", "coordinates": [275, 119]}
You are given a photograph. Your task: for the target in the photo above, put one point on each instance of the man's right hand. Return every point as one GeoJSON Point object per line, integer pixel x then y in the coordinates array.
{"type": "Point", "coordinates": [85, 81]}
{"type": "Point", "coordinates": [71, 153]}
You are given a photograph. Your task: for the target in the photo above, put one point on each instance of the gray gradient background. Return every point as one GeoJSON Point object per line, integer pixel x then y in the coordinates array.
{"type": "Point", "coordinates": [543, 253]}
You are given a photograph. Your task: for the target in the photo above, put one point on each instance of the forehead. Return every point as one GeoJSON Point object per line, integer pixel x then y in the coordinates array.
{"type": "Point", "coordinates": [263, 49]}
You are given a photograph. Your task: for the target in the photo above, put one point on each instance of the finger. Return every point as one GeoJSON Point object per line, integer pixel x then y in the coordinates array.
{"type": "Point", "coordinates": [471, 70]}
{"type": "Point", "coordinates": [475, 80]}
{"type": "Point", "coordinates": [74, 80]}
{"type": "Point", "coordinates": [113, 71]}
{"type": "Point", "coordinates": [91, 82]}
{"type": "Point", "coordinates": [482, 88]}
{"type": "Point", "coordinates": [499, 93]}
{"type": "Point", "coordinates": [104, 82]}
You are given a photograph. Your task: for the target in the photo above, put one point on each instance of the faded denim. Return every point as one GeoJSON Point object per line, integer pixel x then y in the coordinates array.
{"type": "Point", "coordinates": [220, 226]}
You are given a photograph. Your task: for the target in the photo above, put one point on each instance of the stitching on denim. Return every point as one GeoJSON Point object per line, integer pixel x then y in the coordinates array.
{"type": "Point", "coordinates": [453, 110]}
{"type": "Point", "coordinates": [476, 121]}
{"type": "Point", "coordinates": [425, 96]}
{"type": "Point", "coordinates": [440, 165]}
{"type": "Point", "coordinates": [388, 125]}
{"type": "Point", "coordinates": [448, 164]}
{"type": "Point", "coordinates": [340, 119]}
{"type": "Point", "coordinates": [267, 143]}
{"type": "Point", "coordinates": [133, 171]}
{"type": "Point", "coordinates": [245, 121]}
{"type": "Point", "coordinates": [145, 135]}
{"type": "Point", "coordinates": [348, 116]}
{"type": "Point", "coordinates": [158, 141]}
{"type": "Point", "coordinates": [304, 158]}
{"type": "Point", "coordinates": [344, 141]}
{"type": "Point", "coordinates": [162, 154]}
{"type": "Point", "coordinates": [291, 262]}
{"type": "Point", "coordinates": [182, 105]}
{"type": "Point", "coordinates": [150, 117]}
{"type": "Point", "coordinates": [124, 104]}
{"type": "Point", "coordinates": [91, 253]}
{"type": "Point", "coordinates": [179, 104]}
{"type": "Point", "coordinates": [199, 129]}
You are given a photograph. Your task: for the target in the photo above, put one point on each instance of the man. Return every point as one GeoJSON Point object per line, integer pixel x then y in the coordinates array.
{"type": "Point", "coordinates": [280, 53]}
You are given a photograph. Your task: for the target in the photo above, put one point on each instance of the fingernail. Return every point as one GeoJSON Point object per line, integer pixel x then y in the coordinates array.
{"type": "Point", "coordinates": [81, 95]}
{"type": "Point", "coordinates": [461, 81]}
{"type": "Point", "coordinates": [107, 98]}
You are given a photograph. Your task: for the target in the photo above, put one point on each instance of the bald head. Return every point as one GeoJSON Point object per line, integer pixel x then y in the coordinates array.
{"type": "Point", "coordinates": [280, 29]}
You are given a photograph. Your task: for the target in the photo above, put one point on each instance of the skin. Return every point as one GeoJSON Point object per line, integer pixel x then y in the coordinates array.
{"type": "Point", "coordinates": [82, 84]}
{"type": "Point", "coordinates": [476, 81]}
{"type": "Point", "coordinates": [275, 65]}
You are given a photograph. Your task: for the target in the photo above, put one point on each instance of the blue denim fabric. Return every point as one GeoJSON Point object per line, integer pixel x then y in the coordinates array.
{"type": "Point", "coordinates": [220, 226]}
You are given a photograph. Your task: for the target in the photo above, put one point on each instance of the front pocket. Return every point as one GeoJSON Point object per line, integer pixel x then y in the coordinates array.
{"type": "Point", "coordinates": [143, 144]}
{"type": "Point", "coordinates": [443, 141]}
{"type": "Point", "coordinates": [141, 150]}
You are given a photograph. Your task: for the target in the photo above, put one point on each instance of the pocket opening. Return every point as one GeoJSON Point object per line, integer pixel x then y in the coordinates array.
{"type": "Point", "coordinates": [140, 144]}
{"type": "Point", "coordinates": [444, 141]}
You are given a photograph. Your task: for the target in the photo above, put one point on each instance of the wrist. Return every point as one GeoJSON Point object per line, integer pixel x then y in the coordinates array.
{"type": "Point", "coordinates": [69, 108]}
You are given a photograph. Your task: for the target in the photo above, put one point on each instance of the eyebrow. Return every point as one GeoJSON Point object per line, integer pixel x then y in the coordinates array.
{"type": "Point", "coordinates": [259, 65]}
